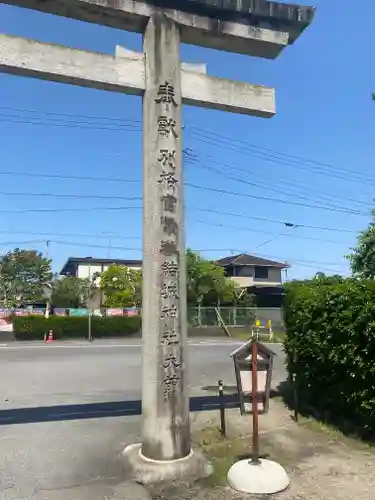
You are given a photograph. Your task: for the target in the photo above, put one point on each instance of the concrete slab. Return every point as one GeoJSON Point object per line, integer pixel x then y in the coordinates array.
{"type": "Point", "coordinates": [40, 458]}
{"type": "Point", "coordinates": [145, 471]}
{"type": "Point", "coordinates": [195, 29]}
{"type": "Point", "coordinates": [126, 74]}
{"type": "Point", "coordinates": [54, 456]}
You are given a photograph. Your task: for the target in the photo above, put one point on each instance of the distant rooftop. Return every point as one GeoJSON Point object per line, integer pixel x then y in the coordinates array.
{"type": "Point", "coordinates": [72, 262]}
{"type": "Point", "coordinates": [244, 259]}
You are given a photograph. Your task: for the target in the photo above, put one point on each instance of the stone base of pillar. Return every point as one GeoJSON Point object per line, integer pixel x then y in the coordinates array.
{"type": "Point", "coordinates": [145, 471]}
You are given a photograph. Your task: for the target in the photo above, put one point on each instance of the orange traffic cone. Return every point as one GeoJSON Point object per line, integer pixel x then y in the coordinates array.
{"type": "Point", "coordinates": [50, 336]}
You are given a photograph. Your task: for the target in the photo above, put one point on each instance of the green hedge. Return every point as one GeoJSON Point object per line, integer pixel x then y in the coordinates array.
{"type": "Point", "coordinates": [34, 327]}
{"type": "Point", "coordinates": [330, 345]}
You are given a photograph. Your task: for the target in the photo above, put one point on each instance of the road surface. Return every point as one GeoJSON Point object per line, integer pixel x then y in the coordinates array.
{"type": "Point", "coordinates": [48, 458]}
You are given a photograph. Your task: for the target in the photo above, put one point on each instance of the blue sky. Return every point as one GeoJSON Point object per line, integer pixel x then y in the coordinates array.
{"type": "Point", "coordinates": [324, 113]}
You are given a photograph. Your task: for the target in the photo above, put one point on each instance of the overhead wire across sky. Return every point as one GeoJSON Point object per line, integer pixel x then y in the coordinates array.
{"type": "Point", "coordinates": [193, 208]}
{"type": "Point", "coordinates": [189, 184]}
{"type": "Point", "coordinates": [200, 134]}
{"type": "Point", "coordinates": [285, 187]}
{"type": "Point", "coordinates": [275, 156]}
{"type": "Point", "coordinates": [304, 263]}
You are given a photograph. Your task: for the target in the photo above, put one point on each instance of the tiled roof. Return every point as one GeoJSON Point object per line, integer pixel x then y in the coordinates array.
{"type": "Point", "coordinates": [245, 259]}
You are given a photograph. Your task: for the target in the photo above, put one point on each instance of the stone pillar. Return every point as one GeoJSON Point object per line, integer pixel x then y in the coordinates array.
{"type": "Point", "coordinates": [166, 433]}
{"type": "Point", "coordinates": [165, 452]}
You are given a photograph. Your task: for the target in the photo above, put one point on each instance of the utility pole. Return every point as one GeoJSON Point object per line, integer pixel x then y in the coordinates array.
{"type": "Point", "coordinates": [286, 271]}
{"type": "Point", "coordinates": [47, 248]}
{"type": "Point", "coordinates": [109, 243]}
{"type": "Point", "coordinates": [89, 309]}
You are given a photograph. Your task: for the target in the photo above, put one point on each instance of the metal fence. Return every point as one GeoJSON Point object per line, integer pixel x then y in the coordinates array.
{"type": "Point", "coordinates": [197, 316]}
{"type": "Point", "coordinates": [235, 316]}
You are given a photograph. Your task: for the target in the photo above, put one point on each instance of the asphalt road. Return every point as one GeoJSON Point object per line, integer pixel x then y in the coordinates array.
{"type": "Point", "coordinates": [48, 458]}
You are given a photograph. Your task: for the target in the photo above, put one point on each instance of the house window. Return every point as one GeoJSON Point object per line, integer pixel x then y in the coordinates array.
{"type": "Point", "coordinates": [228, 271]}
{"type": "Point", "coordinates": [244, 271]}
{"type": "Point", "coordinates": [261, 273]}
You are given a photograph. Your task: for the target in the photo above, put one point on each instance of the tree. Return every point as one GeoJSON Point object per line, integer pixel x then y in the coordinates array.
{"type": "Point", "coordinates": [206, 284]}
{"type": "Point", "coordinates": [22, 276]}
{"type": "Point", "coordinates": [241, 298]}
{"type": "Point", "coordinates": [71, 291]}
{"type": "Point", "coordinates": [206, 281]}
{"type": "Point", "coordinates": [122, 286]}
{"type": "Point", "coordinates": [362, 258]}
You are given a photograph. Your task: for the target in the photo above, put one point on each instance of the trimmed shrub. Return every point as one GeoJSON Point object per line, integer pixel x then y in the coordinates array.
{"type": "Point", "coordinates": [330, 345]}
{"type": "Point", "coordinates": [34, 327]}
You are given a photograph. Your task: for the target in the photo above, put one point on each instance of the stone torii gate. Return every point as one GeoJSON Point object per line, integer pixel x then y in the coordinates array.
{"type": "Point", "coordinates": [254, 27]}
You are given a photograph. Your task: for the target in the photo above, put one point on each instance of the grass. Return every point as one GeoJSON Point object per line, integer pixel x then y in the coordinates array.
{"type": "Point", "coordinates": [300, 442]}
{"type": "Point", "coordinates": [222, 452]}
{"type": "Point", "coordinates": [334, 434]}
{"type": "Point", "coordinates": [320, 427]}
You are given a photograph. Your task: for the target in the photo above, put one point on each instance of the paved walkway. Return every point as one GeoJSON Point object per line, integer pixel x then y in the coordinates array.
{"type": "Point", "coordinates": [81, 459]}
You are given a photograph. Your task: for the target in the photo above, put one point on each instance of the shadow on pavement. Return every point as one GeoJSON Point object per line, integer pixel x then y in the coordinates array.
{"type": "Point", "coordinates": [102, 410]}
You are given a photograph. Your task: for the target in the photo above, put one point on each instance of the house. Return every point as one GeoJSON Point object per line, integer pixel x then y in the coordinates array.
{"type": "Point", "coordinates": [90, 267]}
{"type": "Point", "coordinates": [86, 267]}
{"type": "Point", "coordinates": [250, 271]}
{"type": "Point", "coordinates": [260, 277]}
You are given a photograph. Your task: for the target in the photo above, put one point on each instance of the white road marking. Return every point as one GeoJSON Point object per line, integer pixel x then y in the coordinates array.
{"type": "Point", "coordinates": [210, 343]}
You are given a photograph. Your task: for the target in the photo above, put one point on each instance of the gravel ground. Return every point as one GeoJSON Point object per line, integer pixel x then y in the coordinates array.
{"type": "Point", "coordinates": [321, 463]}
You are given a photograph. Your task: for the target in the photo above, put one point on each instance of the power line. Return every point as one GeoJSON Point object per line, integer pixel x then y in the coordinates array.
{"type": "Point", "coordinates": [310, 266]}
{"type": "Point", "coordinates": [266, 256]}
{"type": "Point", "coordinates": [262, 231]}
{"type": "Point", "coordinates": [72, 177]}
{"type": "Point", "coordinates": [68, 125]}
{"type": "Point", "coordinates": [276, 221]}
{"type": "Point", "coordinates": [72, 195]}
{"type": "Point", "coordinates": [287, 183]}
{"type": "Point", "coordinates": [213, 211]}
{"type": "Point", "coordinates": [222, 191]}
{"type": "Point", "coordinates": [274, 155]}
{"type": "Point", "coordinates": [74, 243]}
{"type": "Point", "coordinates": [78, 244]}
{"type": "Point", "coordinates": [219, 138]}
{"type": "Point", "coordinates": [303, 263]}
{"type": "Point", "coordinates": [28, 242]}
{"type": "Point", "coordinates": [101, 179]}
{"type": "Point", "coordinates": [276, 200]}
{"type": "Point", "coordinates": [69, 209]}
{"type": "Point", "coordinates": [199, 221]}
{"type": "Point", "coordinates": [284, 233]}
{"type": "Point", "coordinates": [270, 188]}
{"type": "Point", "coordinates": [73, 235]}
{"type": "Point", "coordinates": [70, 115]}
{"type": "Point", "coordinates": [279, 161]}
{"type": "Point", "coordinates": [198, 250]}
